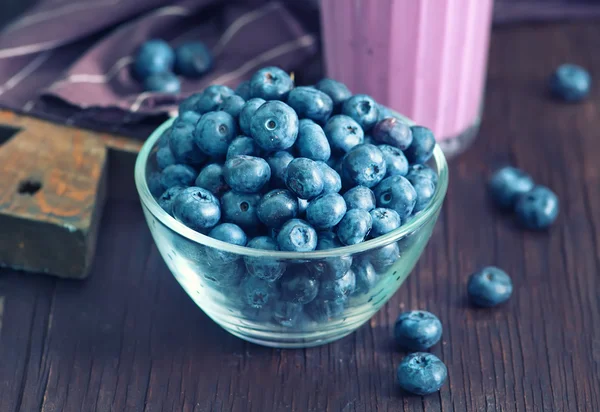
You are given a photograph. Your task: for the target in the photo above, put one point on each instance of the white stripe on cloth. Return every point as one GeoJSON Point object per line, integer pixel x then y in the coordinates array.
{"type": "Point", "coordinates": [22, 74]}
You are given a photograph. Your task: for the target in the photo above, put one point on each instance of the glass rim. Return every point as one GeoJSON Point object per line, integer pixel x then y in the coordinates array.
{"type": "Point", "coordinates": [413, 224]}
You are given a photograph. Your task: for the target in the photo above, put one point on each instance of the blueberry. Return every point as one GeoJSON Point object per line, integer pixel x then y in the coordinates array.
{"type": "Point", "coordinates": [154, 184]}
{"type": "Point", "coordinates": [489, 287]}
{"type": "Point", "coordinates": [310, 103]}
{"type": "Point", "coordinates": [384, 221]}
{"type": "Point", "coordinates": [177, 175]}
{"type": "Point", "coordinates": [336, 289]}
{"type": "Point", "coordinates": [395, 160]}
{"type": "Point", "coordinates": [196, 208]}
{"type": "Point", "coordinates": [242, 145]}
{"type": "Point", "coordinates": [181, 142]}
{"type": "Point", "coordinates": [271, 83]}
{"type": "Point", "coordinates": [298, 286]}
{"type": "Point", "coordinates": [257, 292]}
{"type": "Point", "coordinates": [343, 133]}
{"type": "Point", "coordinates": [425, 189]}
{"type": "Point", "coordinates": [279, 162]}
{"type": "Point", "coordinates": [507, 184]}
{"type": "Point", "coordinates": [330, 268]}
{"type": "Point", "coordinates": [312, 142]}
{"type": "Point", "coordinates": [363, 166]}
{"type": "Point", "coordinates": [418, 170]}
{"type": "Point", "coordinates": [421, 148]}
{"type": "Point", "coordinates": [211, 178]}
{"type": "Point", "coordinates": [363, 109]}
{"type": "Point", "coordinates": [360, 197]}
{"type": "Point", "coordinates": [326, 211]}
{"type": "Point", "coordinates": [304, 178]}
{"type": "Point", "coordinates": [240, 208]}
{"type": "Point", "coordinates": [187, 117]}
{"type": "Point", "coordinates": [417, 330]}
{"type": "Point", "coordinates": [366, 276]}
{"type": "Point", "coordinates": [421, 373]}
{"type": "Point", "coordinates": [243, 90]}
{"type": "Point", "coordinates": [165, 157]}
{"type": "Point", "coordinates": [164, 82]}
{"type": "Point", "coordinates": [189, 104]}
{"type": "Point", "coordinates": [223, 277]}
{"type": "Point", "coordinates": [397, 193]}
{"type": "Point", "coordinates": [384, 257]}
{"type": "Point", "coordinates": [570, 83]}
{"type": "Point", "coordinates": [332, 182]}
{"type": "Point", "coordinates": [385, 112]}
{"type": "Point", "coordinates": [287, 313]}
{"type": "Point", "coordinates": [247, 113]}
{"type": "Point", "coordinates": [154, 56]}
{"type": "Point", "coordinates": [264, 268]}
{"type": "Point", "coordinates": [537, 209]}
{"type": "Point", "coordinates": [163, 140]}
{"type": "Point", "coordinates": [354, 227]}
{"type": "Point", "coordinates": [297, 236]}
{"type": "Point", "coordinates": [323, 310]}
{"type": "Point", "coordinates": [193, 59]}
{"type": "Point", "coordinates": [338, 92]}
{"type": "Point", "coordinates": [225, 232]}
{"type": "Point", "coordinates": [214, 132]}
{"type": "Point", "coordinates": [277, 207]}
{"type": "Point", "coordinates": [393, 132]}
{"type": "Point", "coordinates": [246, 174]}
{"type": "Point", "coordinates": [211, 98]}
{"type": "Point", "coordinates": [274, 126]}
{"type": "Point", "coordinates": [166, 199]}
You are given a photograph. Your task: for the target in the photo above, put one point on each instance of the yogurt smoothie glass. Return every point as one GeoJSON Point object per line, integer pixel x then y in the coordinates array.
{"type": "Point", "coordinates": [423, 58]}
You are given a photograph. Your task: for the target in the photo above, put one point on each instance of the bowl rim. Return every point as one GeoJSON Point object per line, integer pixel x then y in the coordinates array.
{"type": "Point", "coordinates": [413, 224]}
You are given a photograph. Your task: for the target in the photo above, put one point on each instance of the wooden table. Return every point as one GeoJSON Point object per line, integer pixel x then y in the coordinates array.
{"type": "Point", "coordinates": [129, 339]}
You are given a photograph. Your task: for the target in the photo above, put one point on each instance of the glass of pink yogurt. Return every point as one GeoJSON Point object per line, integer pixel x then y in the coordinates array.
{"type": "Point", "coordinates": [423, 58]}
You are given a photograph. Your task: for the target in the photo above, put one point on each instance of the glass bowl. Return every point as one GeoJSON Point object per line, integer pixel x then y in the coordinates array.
{"type": "Point", "coordinates": [223, 290]}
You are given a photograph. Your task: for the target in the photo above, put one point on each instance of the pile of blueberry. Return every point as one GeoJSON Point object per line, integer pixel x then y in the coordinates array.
{"type": "Point", "coordinates": [156, 64]}
{"type": "Point", "coordinates": [536, 207]}
{"type": "Point", "coordinates": [277, 167]}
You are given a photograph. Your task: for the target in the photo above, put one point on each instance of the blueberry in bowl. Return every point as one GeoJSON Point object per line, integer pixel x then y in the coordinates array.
{"type": "Point", "coordinates": [286, 258]}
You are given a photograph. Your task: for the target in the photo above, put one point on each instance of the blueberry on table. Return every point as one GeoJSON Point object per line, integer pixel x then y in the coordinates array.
{"type": "Point", "coordinates": [166, 199]}
{"type": "Point", "coordinates": [489, 287]}
{"type": "Point", "coordinates": [397, 193]}
{"type": "Point", "coordinates": [304, 178]}
{"type": "Point", "coordinates": [360, 197]}
{"type": "Point", "coordinates": [163, 82]}
{"type": "Point", "coordinates": [240, 208]}
{"type": "Point", "coordinates": [343, 133]}
{"type": "Point", "coordinates": [354, 227]}
{"type": "Point", "coordinates": [363, 109]}
{"type": "Point", "coordinates": [298, 286]}
{"type": "Point", "coordinates": [507, 184]}
{"type": "Point", "coordinates": [279, 162]}
{"type": "Point", "coordinates": [417, 330]}
{"type": "Point", "coordinates": [154, 56]}
{"type": "Point", "coordinates": [262, 267]}
{"type": "Point", "coordinates": [363, 165]}
{"type": "Point", "coordinates": [165, 157]}
{"type": "Point", "coordinates": [537, 209]}
{"type": "Point", "coordinates": [332, 182]}
{"type": "Point", "coordinates": [181, 141]}
{"type": "Point", "coordinates": [338, 92]}
{"type": "Point", "coordinates": [338, 289]}
{"type": "Point", "coordinates": [393, 132]}
{"type": "Point", "coordinates": [225, 232]}
{"type": "Point", "coordinates": [417, 170]}
{"type": "Point", "coordinates": [286, 313]}
{"type": "Point", "coordinates": [422, 373]}
{"type": "Point", "coordinates": [570, 83]}
{"type": "Point", "coordinates": [257, 292]}
{"type": "Point", "coordinates": [214, 132]}
{"type": "Point", "coordinates": [271, 83]}
{"type": "Point", "coordinates": [366, 276]}
{"type": "Point", "coordinates": [211, 178]}
{"type": "Point", "coordinates": [177, 175]}
{"type": "Point", "coordinates": [323, 310]}
{"type": "Point", "coordinates": [277, 207]}
{"type": "Point", "coordinates": [395, 160]}
{"type": "Point", "coordinates": [274, 126]}
{"type": "Point", "coordinates": [326, 211]}
{"type": "Point", "coordinates": [243, 90]}
{"type": "Point", "coordinates": [210, 99]}
{"type": "Point", "coordinates": [425, 189]}
{"type": "Point", "coordinates": [384, 221]}
{"type": "Point", "coordinates": [310, 103]}
{"type": "Point", "coordinates": [196, 208]}
{"type": "Point", "coordinates": [330, 268]}
{"type": "Point", "coordinates": [247, 113]}
{"type": "Point", "coordinates": [312, 142]}
{"type": "Point", "coordinates": [246, 174]}
{"type": "Point", "coordinates": [232, 104]}
{"type": "Point", "coordinates": [193, 59]}
{"type": "Point", "coordinates": [297, 236]}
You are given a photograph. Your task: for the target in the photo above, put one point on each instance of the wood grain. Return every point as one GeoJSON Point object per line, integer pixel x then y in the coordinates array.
{"type": "Point", "coordinates": [129, 339]}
